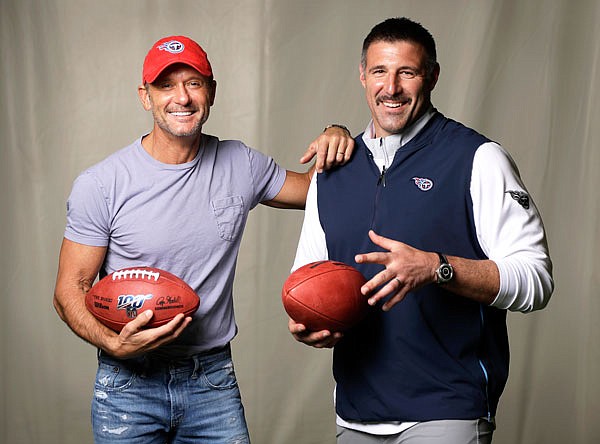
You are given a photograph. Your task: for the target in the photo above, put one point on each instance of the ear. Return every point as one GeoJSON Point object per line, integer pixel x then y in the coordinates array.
{"type": "Point", "coordinates": [144, 97]}
{"type": "Point", "coordinates": [363, 80]}
{"type": "Point", "coordinates": [434, 77]}
{"type": "Point", "coordinates": [213, 92]}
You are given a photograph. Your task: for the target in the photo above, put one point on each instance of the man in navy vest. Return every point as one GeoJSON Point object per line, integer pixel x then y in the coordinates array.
{"type": "Point", "coordinates": [453, 240]}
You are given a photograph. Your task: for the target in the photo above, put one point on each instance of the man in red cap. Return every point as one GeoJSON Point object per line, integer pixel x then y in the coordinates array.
{"type": "Point", "coordinates": [176, 199]}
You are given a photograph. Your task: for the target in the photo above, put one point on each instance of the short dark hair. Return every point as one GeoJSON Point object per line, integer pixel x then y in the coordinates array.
{"type": "Point", "coordinates": [402, 29]}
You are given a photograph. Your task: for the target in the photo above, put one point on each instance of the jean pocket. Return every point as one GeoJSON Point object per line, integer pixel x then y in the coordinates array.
{"type": "Point", "coordinates": [229, 214]}
{"type": "Point", "coordinates": [219, 374]}
{"type": "Point", "coordinates": [112, 376]}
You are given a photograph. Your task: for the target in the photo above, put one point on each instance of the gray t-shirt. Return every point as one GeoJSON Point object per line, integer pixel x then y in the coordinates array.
{"type": "Point", "coordinates": [187, 219]}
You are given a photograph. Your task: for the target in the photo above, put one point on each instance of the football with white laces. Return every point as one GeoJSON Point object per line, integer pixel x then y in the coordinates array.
{"type": "Point", "coordinates": [121, 296]}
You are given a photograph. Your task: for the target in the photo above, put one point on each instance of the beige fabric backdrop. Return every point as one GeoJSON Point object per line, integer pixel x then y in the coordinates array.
{"type": "Point", "coordinates": [523, 72]}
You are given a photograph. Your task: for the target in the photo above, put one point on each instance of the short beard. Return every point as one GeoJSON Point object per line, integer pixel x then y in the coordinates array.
{"type": "Point", "coordinates": [197, 129]}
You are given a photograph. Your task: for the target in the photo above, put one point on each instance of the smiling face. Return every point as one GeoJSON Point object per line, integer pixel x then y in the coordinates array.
{"type": "Point", "coordinates": [396, 100]}
{"type": "Point", "coordinates": [180, 99]}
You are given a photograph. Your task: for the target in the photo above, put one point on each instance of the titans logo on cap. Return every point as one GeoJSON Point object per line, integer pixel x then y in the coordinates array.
{"type": "Point", "coordinates": [172, 46]}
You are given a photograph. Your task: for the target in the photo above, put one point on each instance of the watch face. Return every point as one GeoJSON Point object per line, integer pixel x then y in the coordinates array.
{"type": "Point", "coordinates": [444, 273]}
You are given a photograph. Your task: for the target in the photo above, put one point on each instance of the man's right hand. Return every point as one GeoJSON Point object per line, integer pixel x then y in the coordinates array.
{"type": "Point", "coordinates": [317, 339]}
{"type": "Point", "coordinates": [135, 340]}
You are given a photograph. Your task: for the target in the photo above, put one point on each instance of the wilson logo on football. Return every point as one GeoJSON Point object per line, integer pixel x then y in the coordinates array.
{"type": "Point", "coordinates": [423, 184]}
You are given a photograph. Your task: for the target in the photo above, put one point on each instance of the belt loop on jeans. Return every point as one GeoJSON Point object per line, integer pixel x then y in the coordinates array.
{"type": "Point", "coordinates": [196, 360]}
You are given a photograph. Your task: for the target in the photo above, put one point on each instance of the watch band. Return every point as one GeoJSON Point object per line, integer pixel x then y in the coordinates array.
{"type": "Point", "coordinates": [337, 125]}
{"type": "Point", "coordinates": [443, 259]}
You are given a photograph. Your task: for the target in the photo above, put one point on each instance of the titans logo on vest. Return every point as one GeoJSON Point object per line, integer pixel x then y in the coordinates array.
{"type": "Point", "coordinates": [423, 184]}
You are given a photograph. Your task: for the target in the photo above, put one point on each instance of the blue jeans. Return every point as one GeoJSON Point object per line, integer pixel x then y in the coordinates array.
{"type": "Point", "coordinates": [147, 401]}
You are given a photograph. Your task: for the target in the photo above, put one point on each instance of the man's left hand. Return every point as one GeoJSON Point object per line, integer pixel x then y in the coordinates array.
{"type": "Point", "coordinates": [406, 269]}
{"type": "Point", "coordinates": [332, 148]}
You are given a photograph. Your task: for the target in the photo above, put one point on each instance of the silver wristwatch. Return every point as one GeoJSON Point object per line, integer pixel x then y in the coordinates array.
{"type": "Point", "coordinates": [445, 272]}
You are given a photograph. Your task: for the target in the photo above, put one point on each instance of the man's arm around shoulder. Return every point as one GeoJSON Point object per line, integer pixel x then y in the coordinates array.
{"type": "Point", "coordinates": [332, 148]}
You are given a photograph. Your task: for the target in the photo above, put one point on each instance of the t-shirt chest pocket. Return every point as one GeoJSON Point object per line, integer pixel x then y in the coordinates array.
{"type": "Point", "coordinates": [229, 214]}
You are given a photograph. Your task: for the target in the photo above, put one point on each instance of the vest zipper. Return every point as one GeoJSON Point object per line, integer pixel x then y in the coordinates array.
{"type": "Point", "coordinates": [386, 161]}
{"type": "Point", "coordinates": [381, 180]}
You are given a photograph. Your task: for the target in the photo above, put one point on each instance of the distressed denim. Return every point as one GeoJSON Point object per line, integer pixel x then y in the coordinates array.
{"type": "Point", "coordinates": [144, 400]}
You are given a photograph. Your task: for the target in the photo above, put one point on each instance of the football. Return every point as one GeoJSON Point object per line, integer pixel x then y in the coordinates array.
{"type": "Point", "coordinates": [119, 297]}
{"type": "Point", "coordinates": [325, 295]}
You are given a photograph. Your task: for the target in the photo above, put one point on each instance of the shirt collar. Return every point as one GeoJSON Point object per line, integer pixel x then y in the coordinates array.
{"type": "Point", "coordinates": [386, 147]}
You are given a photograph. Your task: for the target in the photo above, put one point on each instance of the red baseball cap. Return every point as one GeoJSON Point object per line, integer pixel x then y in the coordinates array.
{"type": "Point", "coordinates": [174, 49]}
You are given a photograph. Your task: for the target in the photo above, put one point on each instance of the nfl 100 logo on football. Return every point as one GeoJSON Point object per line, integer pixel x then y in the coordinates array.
{"type": "Point", "coordinates": [131, 303]}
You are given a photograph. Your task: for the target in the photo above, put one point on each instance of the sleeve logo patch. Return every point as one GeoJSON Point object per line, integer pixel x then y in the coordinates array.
{"type": "Point", "coordinates": [521, 197]}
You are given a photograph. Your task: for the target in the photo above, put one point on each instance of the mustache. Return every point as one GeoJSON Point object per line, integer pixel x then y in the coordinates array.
{"type": "Point", "coordinates": [392, 98]}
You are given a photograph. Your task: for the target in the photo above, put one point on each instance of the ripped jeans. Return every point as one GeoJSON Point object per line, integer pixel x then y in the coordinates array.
{"type": "Point", "coordinates": [149, 401]}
